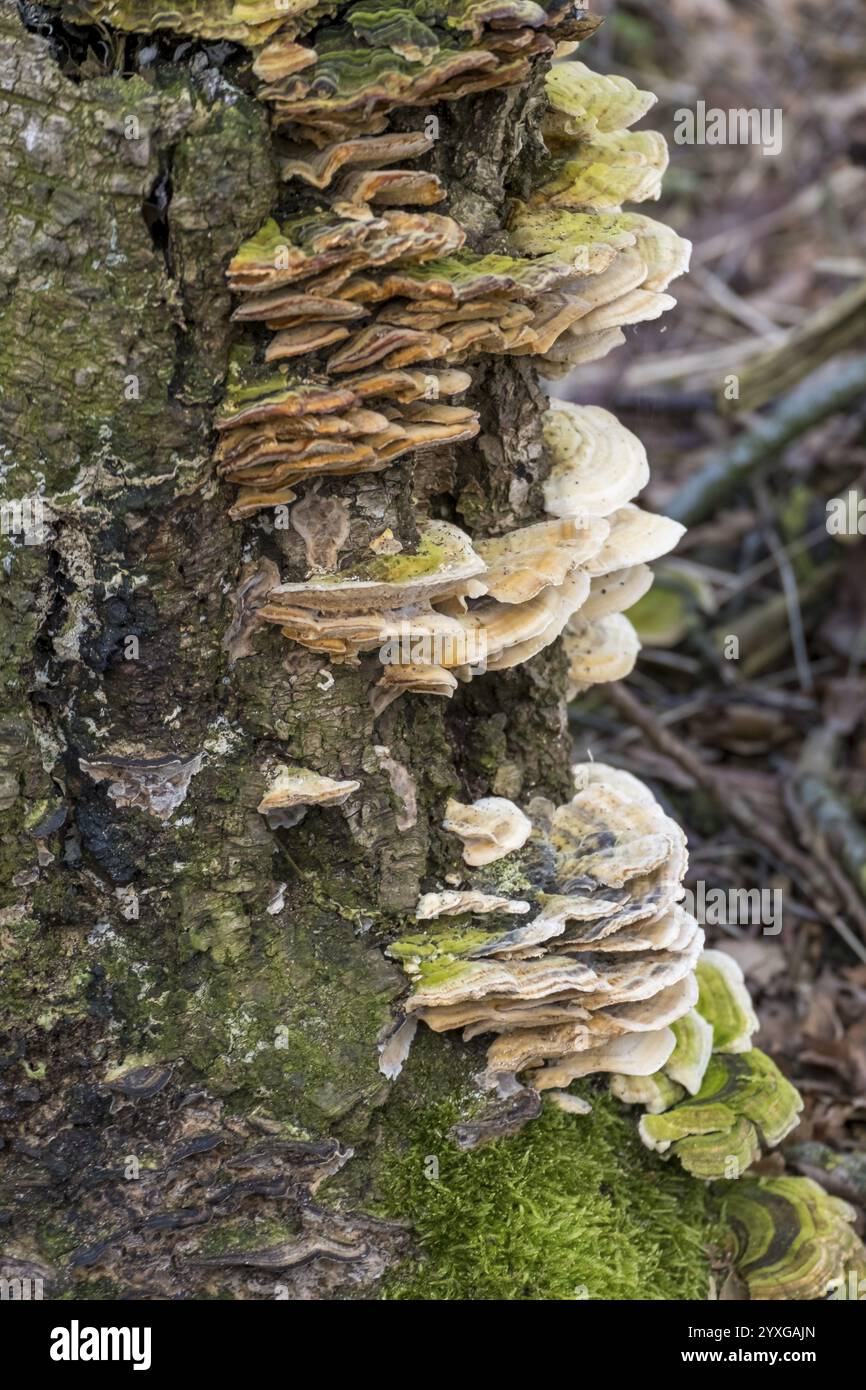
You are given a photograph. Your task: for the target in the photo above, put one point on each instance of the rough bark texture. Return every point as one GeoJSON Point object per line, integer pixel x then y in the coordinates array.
{"type": "Point", "coordinates": [193, 1001]}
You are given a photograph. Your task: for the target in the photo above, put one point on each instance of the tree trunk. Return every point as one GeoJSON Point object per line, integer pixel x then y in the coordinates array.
{"type": "Point", "coordinates": [194, 1001]}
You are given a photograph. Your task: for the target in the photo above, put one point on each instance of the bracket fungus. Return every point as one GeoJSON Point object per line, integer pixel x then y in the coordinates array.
{"type": "Point", "coordinates": [597, 464]}
{"type": "Point", "coordinates": [744, 1102]}
{"type": "Point", "coordinates": [372, 60]}
{"type": "Point", "coordinates": [582, 102]}
{"type": "Point", "coordinates": [378, 313]}
{"type": "Point", "coordinates": [716, 1100]}
{"type": "Point", "coordinates": [361, 319]}
{"type": "Point", "coordinates": [455, 607]}
{"type": "Point", "coordinates": [155, 784]}
{"type": "Point", "coordinates": [489, 829]}
{"type": "Point", "coordinates": [725, 1002]}
{"type": "Point", "coordinates": [455, 904]}
{"type": "Point", "coordinates": [293, 790]}
{"type": "Point", "coordinates": [794, 1241]}
{"type": "Point", "coordinates": [249, 22]}
{"type": "Point", "coordinates": [605, 966]}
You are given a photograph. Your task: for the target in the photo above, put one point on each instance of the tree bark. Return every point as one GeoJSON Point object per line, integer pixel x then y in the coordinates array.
{"type": "Point", "coordinates": [193, 1001]}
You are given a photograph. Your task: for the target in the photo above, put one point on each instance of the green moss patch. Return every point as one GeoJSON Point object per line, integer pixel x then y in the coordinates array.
{"type": "Point", "coordinates": [573, 1207]}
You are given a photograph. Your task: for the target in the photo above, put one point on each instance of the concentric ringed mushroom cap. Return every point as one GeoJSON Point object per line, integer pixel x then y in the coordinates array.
{"type": "Point", "coordinates": [743, 1100]}
{"type": "Point", "coordinates": [598, 651]}
{"type": "Point", "coordinates": [617, 591]}
{"type": "Point", "coordinates": [690, 1058]}
{"type": "Point", "coordinates": [583, 102]}
{"type": "Point", "coordinates": [596, 774]}
{"type": "Point", "coordinates": [654, 1093]}
{"type": "Point", "coordinates": [523, 563]}
{"type": "Point", "coordinates": [672, 930]}
{"type": "Point", "coordinates": [453, 904]}
{"type": "Point", "coordinates": [609, 169]}
{"type": "Point", "coordinates": [444, 564]}
{"type": "Point", "coordinates": [242, 21]}
{"type": "Point", "coordinates": [726, 1003]}
{"type": "Point", "coordinates": [319, 166]}
{"type": "Point", "coordinates": [794, 1241]}
{"type": "Point", "coordinates": [632, 1054]}
{"type": "Point", "coordinates": [598, 465]}
{"type": "Point", "coordinates": [603, 837]}
{"type": "Point", "coordinates": [513, 632]}
{"type": "Point", "coordinates": [636, 537]}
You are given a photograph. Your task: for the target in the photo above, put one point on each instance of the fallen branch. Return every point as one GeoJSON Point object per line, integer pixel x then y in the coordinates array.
{"type": "Point", "coordinates": [802, 411]}
{"type": "Point", "coordinates": [835, 328]}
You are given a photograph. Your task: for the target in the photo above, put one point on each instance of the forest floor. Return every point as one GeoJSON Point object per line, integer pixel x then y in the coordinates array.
{"type": "Point", "coordinates": [747, 710]}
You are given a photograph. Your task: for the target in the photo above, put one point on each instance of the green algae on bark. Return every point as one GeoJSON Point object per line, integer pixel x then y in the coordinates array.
{"type": "Point", "coordinates": [133, 334]}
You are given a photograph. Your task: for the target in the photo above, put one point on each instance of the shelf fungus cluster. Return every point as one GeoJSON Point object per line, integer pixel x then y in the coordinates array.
{"type": "Point", "coordinates": [603, 972]}
{"type": "Point", "coordinates": [364, 59]}
{"type": "Point", "coordinates": [250, 22]}
{"type": "Point", "coordinates": [377, 313]}
{"type": "Point", "coordinates": [349, 77]}
{"type": "Point", "coordinates": [389, 298]}
{"type": "Point", "coordinates": [604, 966]}
{"type": "Point", "coordinates": [456, 607]}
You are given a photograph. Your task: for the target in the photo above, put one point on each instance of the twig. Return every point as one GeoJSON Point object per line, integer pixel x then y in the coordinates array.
{"type": "Point", "coordinates": [805, 408]}
{"type": "Point", "coordinates": [813, 841]}
{"type": "Point", "coordinates": [699, 367]}
{"type": "Point", "coordinates": [835, 328]}
{"type": "Point", "coordinates": [841, 184]}
{"type": "Point", "coordinates": [739, 811]}
{"type": "Point", "coordinates": [826, 810]}
{"type": "Point", "coordinates": [735, 306]}
{"type": "Point", "coordinates": [795, 615]}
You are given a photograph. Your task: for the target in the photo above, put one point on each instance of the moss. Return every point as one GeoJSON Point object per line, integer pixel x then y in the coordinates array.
{"type": "Point", "coordinates": [571, 1208]}
{"type": "Point", "coordinates": [55, 1242]}
{"type": "Point", "coordinates": [507, 878]}
{"type": "Point", "coordinates": [459, 937]}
